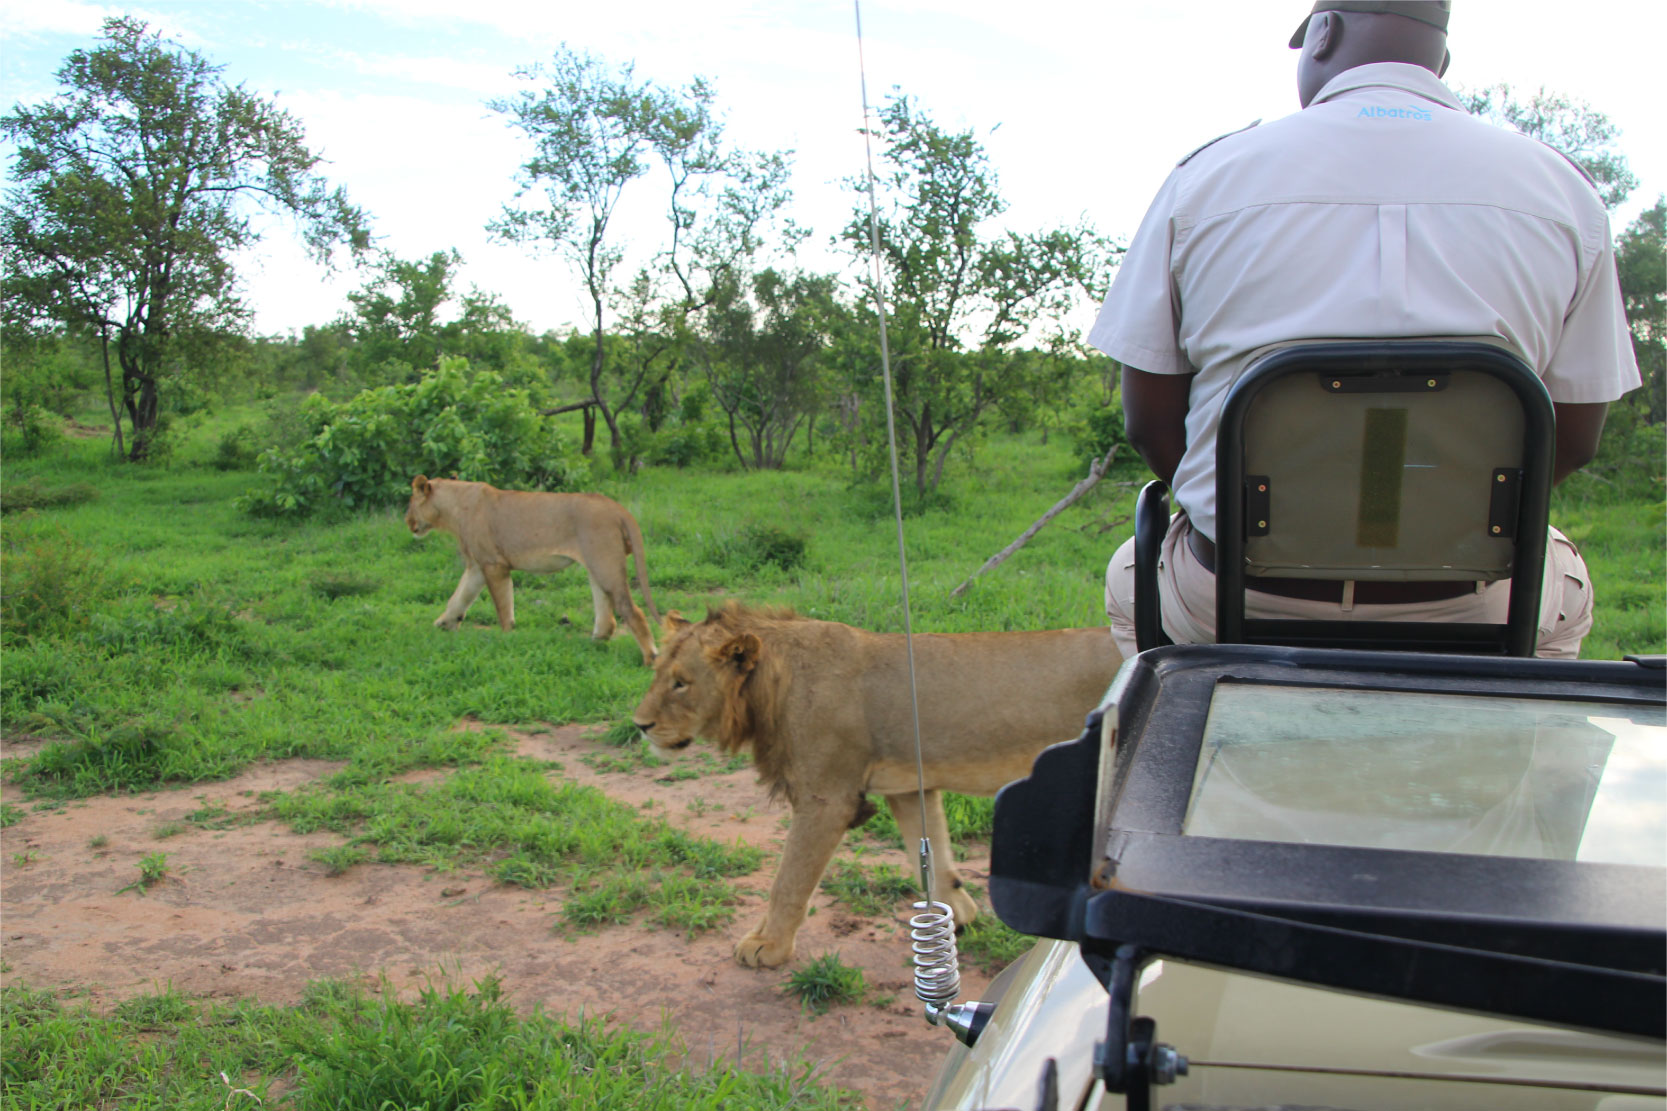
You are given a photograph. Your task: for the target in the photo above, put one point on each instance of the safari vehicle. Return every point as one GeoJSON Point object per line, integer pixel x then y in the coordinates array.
{"type": "Point", "coordinates": [1347, 867]}
{"type": "Point", "coordinates": [1284, 877]}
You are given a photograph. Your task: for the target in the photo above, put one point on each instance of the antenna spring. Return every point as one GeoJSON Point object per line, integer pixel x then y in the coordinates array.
{"type": "Point", "coordinates": [937, 967]}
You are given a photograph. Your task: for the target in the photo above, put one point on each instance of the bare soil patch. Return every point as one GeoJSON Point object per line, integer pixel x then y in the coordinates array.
{"type": "Point", "coordinates": [243, 912]}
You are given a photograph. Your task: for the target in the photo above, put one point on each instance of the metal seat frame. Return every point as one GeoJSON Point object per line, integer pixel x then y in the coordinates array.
{"type": "Point", "coordinates": [1520, 514]}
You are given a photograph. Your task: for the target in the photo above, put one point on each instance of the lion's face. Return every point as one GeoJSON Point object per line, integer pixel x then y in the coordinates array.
{"type": "Point", "coordinates": [686, 698]}
{"type": "Point", "coordinates": [420, 514]}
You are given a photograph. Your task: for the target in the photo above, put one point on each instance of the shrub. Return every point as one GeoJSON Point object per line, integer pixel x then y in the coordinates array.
{"type": "Point", "coordinates": [451, 423]}
{"type": "Point", "coordinates": [32, 493]}
{"type": "Point", "coordinates": [52, 584]}
{"type": "Point", "coordinates": [758, 546]}
{"type": "Point", "coordinates": [236, 450]}
{"type": "Point", "coordinates": [1099, 430]}
{"type": "Point", "coordinates": [32, 428]}
{"type": "Point", "coordinates": [684, 445]}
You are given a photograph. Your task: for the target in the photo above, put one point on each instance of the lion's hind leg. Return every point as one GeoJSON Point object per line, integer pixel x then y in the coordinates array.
{"type": "Point", "coordinates": [814, 834]}
{"type": "Point", "coordinates": [613, 604]}
{"type": "Point", "coordinates": [947, 885]}
{"type": "Point", "coordinates": [603, 625]}
{"type": "Point", "coordinates": [503, 594]}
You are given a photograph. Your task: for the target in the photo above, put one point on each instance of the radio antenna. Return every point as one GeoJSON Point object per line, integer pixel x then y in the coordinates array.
{"type": "Point", "coordinates": [932, 927]}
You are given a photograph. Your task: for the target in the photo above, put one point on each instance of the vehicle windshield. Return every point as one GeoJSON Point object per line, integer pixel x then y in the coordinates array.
{"type": "Point", "coordinates": [1485, 775]}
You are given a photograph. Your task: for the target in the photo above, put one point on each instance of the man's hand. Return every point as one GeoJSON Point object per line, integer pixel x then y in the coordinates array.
{"type": "Point", "coordinates": [1155, 417]}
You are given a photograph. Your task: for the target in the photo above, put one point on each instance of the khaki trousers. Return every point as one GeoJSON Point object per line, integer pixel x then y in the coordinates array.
{"type": "Point", "coordinates": [1187, 593]}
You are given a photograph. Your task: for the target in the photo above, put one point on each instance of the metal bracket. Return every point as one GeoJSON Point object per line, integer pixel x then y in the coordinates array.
{"type": "Point", "coordinates": [1399, 382]}
{"type": "Point", "coordinates": [1256, 500]}
{"type": "Point", "coordinates": [1504, 498]}
{"type": "Point", "coordinates": [1131, 1059]}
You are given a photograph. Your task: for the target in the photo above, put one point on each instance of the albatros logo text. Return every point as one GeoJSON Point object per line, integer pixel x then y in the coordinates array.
{"type": "Point", "coordinates": [1378, 112]}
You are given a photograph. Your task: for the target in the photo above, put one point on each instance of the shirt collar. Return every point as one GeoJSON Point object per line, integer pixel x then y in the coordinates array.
{"type": "Point", "coordinates": [1393, 75]}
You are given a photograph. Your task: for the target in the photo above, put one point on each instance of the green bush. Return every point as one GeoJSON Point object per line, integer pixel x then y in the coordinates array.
{"type": "Point", "coordinates": [32, 493]}
{"type": "Point", "coordinates": [756, 546]}
{"type": "Point", "coordinates": [688, 444]}
{"type": "Point", "coordinates": [450, 423]}
{"type": "Point", "coordinates": [236, 450]}
{"type": "Point", "coordinates": [1098, 430]}
{"type": "Point", "coordinates": [52, 584]}
{"type": "Point", "coordinates": [30, 429]}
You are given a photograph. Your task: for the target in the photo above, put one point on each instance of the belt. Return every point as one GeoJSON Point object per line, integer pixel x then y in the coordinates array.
{"type": "Point", "coordinates": [1371, 593]}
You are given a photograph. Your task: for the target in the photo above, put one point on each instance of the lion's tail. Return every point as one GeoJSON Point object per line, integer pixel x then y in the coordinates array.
{"type": "Point", "coordinates": [633, 540]}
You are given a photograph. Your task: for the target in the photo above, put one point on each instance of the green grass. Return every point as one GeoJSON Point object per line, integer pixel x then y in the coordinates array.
{"type": "Point", "coordinates": [344, 1048]}
{"type": "Point", "coordinates": [824, 982]}
{"type": "Point", "coordinates": [873, 891]}
{"type": "Point", "coordinates": [970, 818]}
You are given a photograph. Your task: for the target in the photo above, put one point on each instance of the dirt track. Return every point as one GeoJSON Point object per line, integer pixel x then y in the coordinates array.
{"type": "Point", "coordinates": [244, 912]}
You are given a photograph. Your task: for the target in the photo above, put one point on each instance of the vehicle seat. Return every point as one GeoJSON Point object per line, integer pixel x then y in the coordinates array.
{"type": "Point", "coordinates": [1383, 460]}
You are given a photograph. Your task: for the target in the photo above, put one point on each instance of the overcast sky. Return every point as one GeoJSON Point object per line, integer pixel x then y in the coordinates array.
{"type": "Point", "coordinates": [1084, 108]}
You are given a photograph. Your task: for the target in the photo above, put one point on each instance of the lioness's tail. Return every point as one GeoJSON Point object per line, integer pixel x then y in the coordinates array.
{"type": "Point", "coordinates": [633, 540]}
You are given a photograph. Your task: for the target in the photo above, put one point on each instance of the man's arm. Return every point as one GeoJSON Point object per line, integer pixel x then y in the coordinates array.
{"type": "Point", "coordinates": [1155, 417]}
{"type": "Point", "coordinates": [1579, 428]}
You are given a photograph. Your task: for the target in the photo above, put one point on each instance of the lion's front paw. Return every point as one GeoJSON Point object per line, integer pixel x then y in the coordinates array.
{"type": "Point", "coordinates": [447, 624]}
{"type": "Point", "coordinates": [757, 951]}
{"type": "Point", "coordinates": [962, 904]}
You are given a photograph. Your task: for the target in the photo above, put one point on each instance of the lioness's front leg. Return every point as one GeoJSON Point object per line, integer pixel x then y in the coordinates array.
{"type": "Point", "coordinates": [814, 834]}
{"type": "Point", "coordinates": [947, 885]}
{"type": "Point", "coordinates": [468, 589]}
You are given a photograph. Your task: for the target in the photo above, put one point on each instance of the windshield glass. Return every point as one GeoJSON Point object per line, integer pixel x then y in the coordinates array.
{"type": "Point", "coordinates": [1554, 780]}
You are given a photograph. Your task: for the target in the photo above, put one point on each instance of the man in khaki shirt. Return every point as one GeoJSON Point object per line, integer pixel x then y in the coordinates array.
{"type": "Point", "coordinates": [1380, 210]}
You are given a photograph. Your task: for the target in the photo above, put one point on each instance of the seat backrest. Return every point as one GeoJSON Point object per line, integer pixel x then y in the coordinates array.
{"type": "Point", "coordinates": [1400, 460]}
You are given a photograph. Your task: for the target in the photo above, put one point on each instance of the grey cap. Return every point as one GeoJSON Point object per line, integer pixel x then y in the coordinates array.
{"type": "Point", "coordinates": [1433, 12]}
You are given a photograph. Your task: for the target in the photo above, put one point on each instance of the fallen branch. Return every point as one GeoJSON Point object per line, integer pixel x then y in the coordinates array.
{"type": "Point", "coordinates": [558, 410]}
{"type": "Point", "coordinates": [1096, 471]}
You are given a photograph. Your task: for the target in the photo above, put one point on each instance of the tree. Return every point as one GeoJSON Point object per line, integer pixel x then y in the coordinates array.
{"type": "Point", "coordinates": [961, 298]}
{"type": "Point", "coordinates": [1582, 133]}
{"type": "Point", "coordinates": [759, 346]}
{"type": "Point", "coordinates": [134, 186]}
{"type": "Point", "coordinates": [396, 315]}
{"type": "Point", "coordinates": [596, 130]}
{"type": "Point", "coordinates": [1641, 259]}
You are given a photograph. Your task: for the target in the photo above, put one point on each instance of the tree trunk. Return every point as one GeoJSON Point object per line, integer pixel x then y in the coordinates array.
{"type": "Point", "coordinates": [110, 392]}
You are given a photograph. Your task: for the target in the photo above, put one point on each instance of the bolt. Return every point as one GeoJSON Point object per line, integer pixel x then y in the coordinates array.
{"type": "Point", "coordinates": [1167, 1064]}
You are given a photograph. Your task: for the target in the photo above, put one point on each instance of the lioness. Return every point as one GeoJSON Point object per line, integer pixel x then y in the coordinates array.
{"type": "Point", "coordinates": [826, 710]}
{"type": "Point", "coordinates": [499, 531]}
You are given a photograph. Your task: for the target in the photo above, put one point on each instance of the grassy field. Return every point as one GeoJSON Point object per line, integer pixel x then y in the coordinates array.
{"type": "Point", "coordinates": [155, 635]}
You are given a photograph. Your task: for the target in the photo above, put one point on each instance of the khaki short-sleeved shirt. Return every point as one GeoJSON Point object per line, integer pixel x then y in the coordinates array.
{"type": "Point", "coordinates": [1380, 210]}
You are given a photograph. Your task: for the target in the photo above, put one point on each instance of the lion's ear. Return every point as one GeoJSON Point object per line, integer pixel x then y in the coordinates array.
{"type": "Point", "coordinates": [739, 652]}
{"type": "Point", "coordinates": [674, 621]}
{"type": "Point", "coordinates": [420, 485]}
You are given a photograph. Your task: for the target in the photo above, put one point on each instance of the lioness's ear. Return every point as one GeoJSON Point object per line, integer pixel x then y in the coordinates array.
{"type": "Point", "coordinates": [419, 485]}
{"type": "Point", "coordinates": [674, 621]}
{"type": "Point", "coordinates": [740, 652]}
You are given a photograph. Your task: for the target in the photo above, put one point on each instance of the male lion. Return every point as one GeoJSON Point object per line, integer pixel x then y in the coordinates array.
{"type": "Point", "coordinates": [499, 531]}
{"type": "Point", "coordinates": [826, 710]}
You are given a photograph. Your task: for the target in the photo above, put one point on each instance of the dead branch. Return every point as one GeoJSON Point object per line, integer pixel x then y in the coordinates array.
{"type": "Point", "coordinates": [1096, 471]}
{"type": "Point", "coordinates": [577, 405]}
